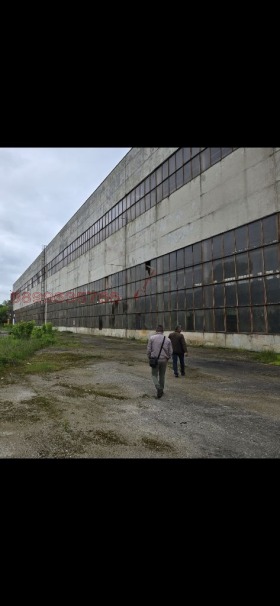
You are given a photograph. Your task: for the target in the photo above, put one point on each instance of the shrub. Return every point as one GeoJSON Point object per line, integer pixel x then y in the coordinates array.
{"type": "Point", "coordinates": [22, 330]}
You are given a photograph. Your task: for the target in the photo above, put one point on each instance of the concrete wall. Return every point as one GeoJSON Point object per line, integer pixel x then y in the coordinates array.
{"type": "Point", "coordinates": [243, 187]}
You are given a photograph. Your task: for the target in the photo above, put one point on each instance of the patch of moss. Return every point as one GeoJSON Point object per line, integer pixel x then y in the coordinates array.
{"type": "Point", "coordinates": [157, 445]}
{"type": "Point", "coordinates": [107, 437]}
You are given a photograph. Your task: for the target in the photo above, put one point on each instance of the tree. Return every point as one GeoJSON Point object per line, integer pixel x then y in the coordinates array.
{"type": "Point", "coordinates": [4, 312]}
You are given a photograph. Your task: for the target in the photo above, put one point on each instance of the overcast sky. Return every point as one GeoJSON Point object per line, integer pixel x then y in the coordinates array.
{"type": "Point", "coordinates": [40, 190]}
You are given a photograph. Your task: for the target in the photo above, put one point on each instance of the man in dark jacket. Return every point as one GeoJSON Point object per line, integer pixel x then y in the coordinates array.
{"type": "Point", "coordinates": [180, 349]}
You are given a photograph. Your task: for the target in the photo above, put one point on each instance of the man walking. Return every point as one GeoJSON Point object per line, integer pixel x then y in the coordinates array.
{"type": "Point", "coordinates": [159, 346]}
{"type": "Point", "coordinates": [180, 349]}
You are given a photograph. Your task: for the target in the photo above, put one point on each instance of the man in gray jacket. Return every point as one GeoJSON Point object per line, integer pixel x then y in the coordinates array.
{"type": "Point", "coordinates": [159, 345]}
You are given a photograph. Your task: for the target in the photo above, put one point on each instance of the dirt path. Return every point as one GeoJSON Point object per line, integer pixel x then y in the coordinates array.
{"type": "Point", "coordinates": [80, 399]}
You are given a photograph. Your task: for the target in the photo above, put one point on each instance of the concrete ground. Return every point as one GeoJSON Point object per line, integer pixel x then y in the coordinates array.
{"type": "Point", "coordinates": [93, 398]}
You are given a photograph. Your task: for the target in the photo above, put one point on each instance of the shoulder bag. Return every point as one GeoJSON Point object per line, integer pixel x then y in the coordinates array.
{"type": "Point", "coordinates": [154, 361]}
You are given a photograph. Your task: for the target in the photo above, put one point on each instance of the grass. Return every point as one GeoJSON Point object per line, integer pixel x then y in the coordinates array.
{"type": "Point", "coordinates": [14, 352]}
{"type": "Point", "coordinates": [268, 357]}
{"type": "Point", "coordinates": [21, 353]}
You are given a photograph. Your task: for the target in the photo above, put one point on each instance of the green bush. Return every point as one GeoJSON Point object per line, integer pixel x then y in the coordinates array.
{"type": "Point", "coordinates": [26, 338]}
{"type": "Point", "coordinates": [22, 330]}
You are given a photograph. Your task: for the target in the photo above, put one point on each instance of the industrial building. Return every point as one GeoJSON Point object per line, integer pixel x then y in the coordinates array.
{"type": "Point", "coordinates": [185, 235]}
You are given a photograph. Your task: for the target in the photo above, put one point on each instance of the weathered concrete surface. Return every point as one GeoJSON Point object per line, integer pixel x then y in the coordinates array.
{"type": "Point", "coordinates": [103, 405]}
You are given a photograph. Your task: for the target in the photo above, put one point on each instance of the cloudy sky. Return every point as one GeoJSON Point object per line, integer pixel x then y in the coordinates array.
{"type": "Point", "coordinates": [40, 190]}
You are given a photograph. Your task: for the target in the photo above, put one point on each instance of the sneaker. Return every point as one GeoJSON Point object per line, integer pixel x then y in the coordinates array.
{"type": "Point", "coordinates": [159, 393]}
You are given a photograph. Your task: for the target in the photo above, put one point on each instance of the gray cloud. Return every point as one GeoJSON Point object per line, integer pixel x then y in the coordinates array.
{"type": "Point", "coordinates": [40, 190]}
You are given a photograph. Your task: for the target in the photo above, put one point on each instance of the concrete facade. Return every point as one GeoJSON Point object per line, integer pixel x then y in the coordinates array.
{"type": "Point", "coordinates": [240, 188]}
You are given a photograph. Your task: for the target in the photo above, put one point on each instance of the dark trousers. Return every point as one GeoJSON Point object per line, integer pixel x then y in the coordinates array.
{"type": "Point", "coordinates": [175, 357]}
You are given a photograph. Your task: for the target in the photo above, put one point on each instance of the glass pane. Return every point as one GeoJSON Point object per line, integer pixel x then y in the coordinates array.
{"type": "Point", "coordinates": [172, 259]}
{"type": "Point", "coordinates": [181, 318]}
{"type": "Point", "coordinates": [256, 262]}
{"type": "Point", "coordinates": [166, 301]}
{"type": "Point", "coordinates": [159, 193]}
{"type": "Point", "coordinates": [209, 320]}
{"type": "Point", "coordinates": [153, 198]}
{"type": "Point", "coordinates": [165, 188]}
{"type": "Point", "coordinates": [255, 236]}
{"type": "Point", "coordinates": [180, 258]}
{"type": "Point", "coordinates": [217, 271]}
{"type": "Point", "coordinates": [244, 319]}
{"type": "Point", "coordinates": [173, 319]}
{"type": "Point", "coordinates": [167, 323]}
{"type": "Point", "coordinates": [271, 258]}
{"type": "Point", "coordinates": [159, 265]}
{"type": "Point", "coordinates": [172, 183]}
{"type": "Point", "coordinates": [199, 321]}
{"type": "Point", "coordinates": [195, 151]}
{"type": "Point", "coordinates": [166, 263]}
{"type": "Point", "coordinates": [229, 268]}
{"type": "Point", "coordinates": [197, 253]}
{"type": "Point", "coordinates": [219, 320]}
{"type": "Point", "coordinates": [137, 194]}
{"type": "Point", "coordinates": [197, 298]}
{"type": "Point", "coordinates": [219, 295]}
{"type": "Point", "coordinates": [188, 256]}
{"type": "Point", "coordinates": [153, 180]}
{"type": "Point", "coordinates": [189, 320]}
{"type": "Point", "coordinates": [272, 285]}
{"type": "Point", "coordinates": [273, 318]}
{"type": "Point", "coordinates": [173, 280]}
{"type": "Point", "coordinates": [218, 247]}
{"type": "Point", "coordinates": [195, 167]}
{"type": "Point", "coordinates": [187, 172]}
{"type": "Point", "coordinates": [226, 151]}
{"type": "Point", "coordinates": [160, 303]}
{"type": "Point", "coordinates": [270, 229]}
{"type": "Point", "coordinates": [216, 154]}
{"type": "Point", "coordinates": [206, 246]}
{"type": "Point", "coordinates": [231, 320]}
{"type": "Point", "coordinates": [179, 158]}
{"type": "Point", "coordinates": [230, 293]}
{"type": "Point", "coordinates": [258, 319]}
{"type": "Point", "coordinates": [159, 175]}
{"type": "Point", "coordinates": [197, 275]}
{"type": "Point", "coordinates": [186, 154]}
{"type": "Point", "coordinates": [160, 283]}
{"type": "Point", "coordinates": [205, 159]}
{"type": "Point", "coordinates": [173, 300]}
{"type": "Point", "coordinates": [207, 273]}
{"type": "Point", "coordinates": [189, 298]}
{"type": "Point", "coordinates": [142, 207]}
{"type": "Point", "coordinates": [257, 291]}
{"type": "Point", "coordinates": [229, 243]}
{"type": "Point", "coordinates": [242, 265]}
{"type": "Point", "coordinates": [166, 284]}
{"type": "Point", "coordinates": [165, 170]}
{"type": "Point", "coordinates": [180, 278]}
{"type": "Point", "coordinates": [181, 299]}
{"type": "Point", "coordinates": [241, 238]}
{"type": "Point", "coordinates": [188, 277]}
{"type": "Point", "coordinates": [179, 178]}
{"type": "Point", "coordinates": [208, 296]}
{"type": "Point", "coordinates": [171, 163]}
